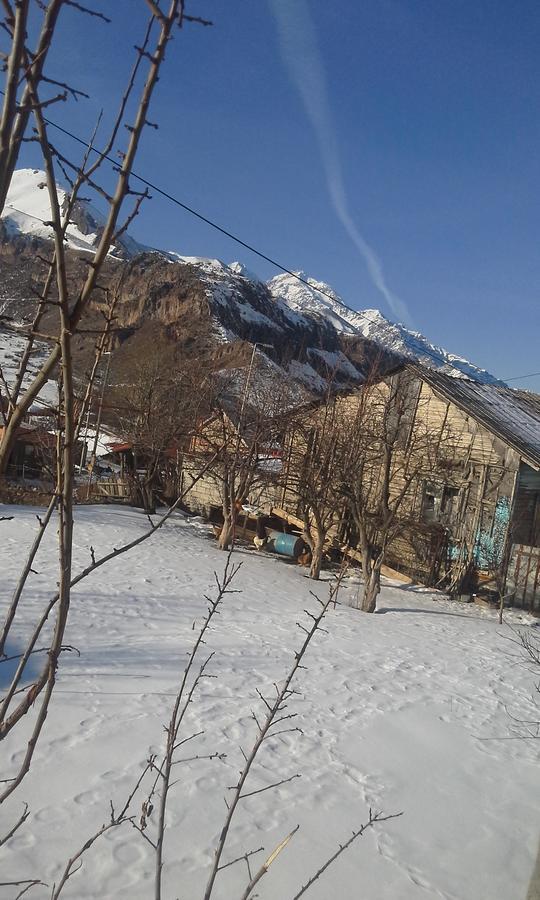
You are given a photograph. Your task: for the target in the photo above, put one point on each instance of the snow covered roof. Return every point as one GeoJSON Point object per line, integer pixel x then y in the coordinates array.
{"type": "Point", "coordinates": [514, 416]}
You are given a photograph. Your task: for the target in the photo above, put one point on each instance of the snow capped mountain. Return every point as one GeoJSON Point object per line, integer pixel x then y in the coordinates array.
{"type": "Point", "coordinates": [414, 345]}
{"type": "Point", "coordinates": [205, 265]}
{"type": "Point", "coordinates": [318, 298]}
{"type": "Point", "coordinates": [27, 210]}
{"type": "Point", "coordinates": [305, 320]}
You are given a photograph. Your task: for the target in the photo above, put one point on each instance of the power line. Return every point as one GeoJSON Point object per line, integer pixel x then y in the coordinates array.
{"type": "Point", "coordinates": [215, 226]}
{"type": "Point", "coordinates": [193, 212]}
{"type": "Point", "coordinates": [190, 210]}
{"type": "Point", "coordinates": [521, 377]}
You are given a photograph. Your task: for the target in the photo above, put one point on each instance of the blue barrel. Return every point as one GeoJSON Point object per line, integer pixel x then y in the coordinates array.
{"type": "Point", "coordinates": [285, 544]}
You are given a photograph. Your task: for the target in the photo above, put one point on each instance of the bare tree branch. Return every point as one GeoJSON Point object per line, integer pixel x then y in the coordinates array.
{"type": "Point", "coordinates": [266, 865]}
{"type": "Point", "coordinates": [282, 694]}
{"type": "Point", "coordinates": [373, 819]}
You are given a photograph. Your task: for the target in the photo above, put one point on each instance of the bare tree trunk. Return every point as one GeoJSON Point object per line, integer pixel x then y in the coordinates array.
{"type": "Point", "coordinates": [316, 558]}
{"type": "Point", "coordinates": [226, 535]}
{"type": "Point", "coordinates": [13, 74]}
{"type": "Point", "coordinates": [314, 535]}
{"type": "Point", "coordinates": [371, 573]}
{"type": "Point", "coordinates": [147, 485]}
{"type": "Point", "coordinates": [227, 532]}
{"type": "Point", "coordinates": [69, 318]}
{"type": "Point", "coordinates": [372, 586]}
{"type": "Point", "coordinates": [149, 501]}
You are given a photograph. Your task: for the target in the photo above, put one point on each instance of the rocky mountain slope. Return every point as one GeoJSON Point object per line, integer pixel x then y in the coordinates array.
{"type": "Point", "coordinates": [319, 298]}
{"type": "Point", "coordinates": [198, 307]}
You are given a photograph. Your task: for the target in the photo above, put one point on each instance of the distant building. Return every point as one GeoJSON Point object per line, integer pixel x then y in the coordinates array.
{"type": "Point", "coordinates": [33, 455]}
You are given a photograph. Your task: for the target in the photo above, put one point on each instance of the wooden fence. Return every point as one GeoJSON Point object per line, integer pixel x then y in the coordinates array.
{"type": "Point", "coordinates": [116, 489]}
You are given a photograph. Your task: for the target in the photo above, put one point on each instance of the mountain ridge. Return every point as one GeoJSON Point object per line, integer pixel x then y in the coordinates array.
{"type": "Point", "coordinates": [310, 327]}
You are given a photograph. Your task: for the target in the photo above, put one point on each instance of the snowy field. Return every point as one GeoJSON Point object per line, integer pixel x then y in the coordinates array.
{"type": "Point", "coordinates": [406, 710]}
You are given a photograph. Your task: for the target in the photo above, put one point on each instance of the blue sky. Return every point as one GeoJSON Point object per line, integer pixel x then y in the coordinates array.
{"type": "Point", "coordinates": [326, 132]}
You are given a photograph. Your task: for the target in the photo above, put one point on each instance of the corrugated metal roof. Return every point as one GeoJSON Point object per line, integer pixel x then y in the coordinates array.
{"type": "Point", "coordinates": [512, 415]}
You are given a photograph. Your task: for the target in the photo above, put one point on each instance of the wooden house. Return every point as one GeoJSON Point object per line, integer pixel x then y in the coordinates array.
{"type": "Point", "coordinates": [472, 510]}
{"type": "Point", "coordinates": [33, 454]}
{"type": "Point", "coordinates": [489, 501]}
{"type": "Point", "coordinates": [470, 517]}
{"type": "Point", "coordinates": [230, 447]}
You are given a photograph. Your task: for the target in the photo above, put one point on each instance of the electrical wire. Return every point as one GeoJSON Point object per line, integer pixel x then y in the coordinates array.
{"type": "Point", "coordinates": [189, 209]}
{"type": "Point", "coordinates": [154, 187]}
{"type": "Point", "coordinates": [521, 377]}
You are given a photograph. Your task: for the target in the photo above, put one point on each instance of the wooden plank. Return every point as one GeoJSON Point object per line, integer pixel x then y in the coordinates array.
{"type": "Point", "coordinates": [287, 516]}
{"type": "Point", "coordinates": [387, 571]}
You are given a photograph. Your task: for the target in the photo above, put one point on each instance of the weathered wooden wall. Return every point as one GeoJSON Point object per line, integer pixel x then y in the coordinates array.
{"type": "Point", "coordinates": [206, 493]}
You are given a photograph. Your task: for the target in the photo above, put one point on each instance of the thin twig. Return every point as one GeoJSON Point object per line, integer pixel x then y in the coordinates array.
{"type": "Point", "coordinates": [373, 819]}
{"type": "Point", "coordinates": [22, 819]}
{"type": "Point", "coordinates": [75, 862]}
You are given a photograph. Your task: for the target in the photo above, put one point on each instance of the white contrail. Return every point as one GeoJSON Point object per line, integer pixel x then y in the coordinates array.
{"type": "Point", "coordinates": [301, 55]}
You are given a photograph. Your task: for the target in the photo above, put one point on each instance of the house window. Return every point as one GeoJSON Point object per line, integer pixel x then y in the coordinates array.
{"type": "Point", "coordinates": [526, 519]}
{"type": "Point", "coordinates": [440, 503]}
{"type": "Point", "coordinates": [429, 506]}
{"type": "Point", "coordinates": [449, 502]}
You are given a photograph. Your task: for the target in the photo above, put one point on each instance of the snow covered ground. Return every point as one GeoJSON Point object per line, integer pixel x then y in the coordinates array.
{"type": "Point", "coordinates": [406, 710]}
